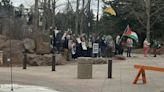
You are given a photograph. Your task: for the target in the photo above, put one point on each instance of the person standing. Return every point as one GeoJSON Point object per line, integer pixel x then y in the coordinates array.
{"type": "Point", "coordinates": [110, 46]}
{"type": "Point", "coordinates": [145, 47]}
{"type": "Point", "coordinates": [58, 40]}
{"type": "Point", "coordinates": [129, 46]}
{"type": "Point", "coordinates": [122, 45]}
{"type": "Point", "coordinates": [155, 47]}
{"type": "Point", "coordinates": [65, 39]}
{"type": "Point", "coordinates": [73, 49]}
{"type": "Point", "coordinates": [84, 46]}
{"type": "Point", "coordinates": [89, 47]}
{"type": "Point", "coordinates": [117, 48]}
{"type": "Point", "coordinates": [102, 46]}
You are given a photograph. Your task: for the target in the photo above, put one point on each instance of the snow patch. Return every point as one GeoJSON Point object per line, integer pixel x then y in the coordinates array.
{"type": "Point", "coordinates": [24, 88]}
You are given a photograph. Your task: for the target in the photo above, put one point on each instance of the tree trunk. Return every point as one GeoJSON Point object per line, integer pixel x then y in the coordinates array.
{"type": "Point", "coordinates": [98, 4]}
{"type": "Point", "coordinates": [36, 17]}
{"type": "Point", "coordinates": [77, 17]}
{"type": "Point", "coordinates": [89, 17]}
{"type": "Point", "coordinates": [82, 18]}
{"type": "Point", "coordinates": [49, 14]}
{"type": "Point", "coordinates": [44, 15]}
{"type": "Point", "coordinates": [148, 19]}
{"type": "Point", "coordinates": [37, 35]}
{"type": "Point", "coordinates": [53, 17]}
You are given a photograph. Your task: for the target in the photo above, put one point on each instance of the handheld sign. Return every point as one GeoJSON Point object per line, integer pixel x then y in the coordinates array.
{"type": "Point", "coordinates": [95, 48]}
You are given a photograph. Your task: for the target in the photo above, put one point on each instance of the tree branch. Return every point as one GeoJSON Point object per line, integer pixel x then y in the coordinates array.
{"type": "Point", "coordinates": [133, 11]}
{"type": "Point", "coordinates": [155, 21]}
{"type": "Point", "coordinates": [156, 11]}
{"type": "Point", "coordinates": [136, 15]}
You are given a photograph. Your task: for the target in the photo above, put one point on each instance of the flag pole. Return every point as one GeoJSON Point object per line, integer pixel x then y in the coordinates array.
{"type": "Point", "coordinates": [123, 34]}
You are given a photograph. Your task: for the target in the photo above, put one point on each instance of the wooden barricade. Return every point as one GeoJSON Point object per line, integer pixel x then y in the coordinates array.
{"type": "Point", "coordinates": [142, 69]}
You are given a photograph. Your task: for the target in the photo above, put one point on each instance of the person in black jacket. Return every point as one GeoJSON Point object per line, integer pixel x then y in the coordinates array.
{"type": "Point", "coordinates": [155, 47]}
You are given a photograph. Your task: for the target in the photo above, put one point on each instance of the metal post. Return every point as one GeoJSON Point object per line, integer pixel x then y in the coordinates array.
{"type": "Point", "coordinates": [110, 68]}
{"type": "Point", "coordinates": [10, 57]}
{"type": "Point", "coordinates": [25, 60]}
{"type": "Point", "coordinates": [53, 62]}
{"type": "Point", "coordinates": [54, 51]}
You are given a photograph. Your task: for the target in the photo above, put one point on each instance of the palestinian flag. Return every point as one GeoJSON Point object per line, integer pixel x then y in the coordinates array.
{"type": "Point", "coordinates": [129, 33]}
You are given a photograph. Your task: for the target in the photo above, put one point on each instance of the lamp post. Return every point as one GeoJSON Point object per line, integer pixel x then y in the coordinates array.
{"type": "Point", "coordinates": [9, 59]}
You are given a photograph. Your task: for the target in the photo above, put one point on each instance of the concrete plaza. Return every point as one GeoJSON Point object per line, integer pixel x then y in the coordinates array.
{"type": "Point", "coordinates": [64, 79]}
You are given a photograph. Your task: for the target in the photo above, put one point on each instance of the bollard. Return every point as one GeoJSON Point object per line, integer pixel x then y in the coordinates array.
{"type": "Point", "coordinates": [53, 62]}
{"type": "Point", "coordinates": [25, 60]}
{"type": "Point", "coordinates": [110, 68]}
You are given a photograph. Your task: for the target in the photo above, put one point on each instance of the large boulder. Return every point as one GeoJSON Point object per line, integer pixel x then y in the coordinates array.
{"type": "Point", "coordinates": [14, 44]}
{"type": "Point", "coordinates": [15, 49]}
{"type": "Point", "coordinates": [16, 56]}
{"type": "Point", "coordinates": [42, 47]}
{"type": "Point", "coordinates": [119, 57]}
{"type": "Point", "coordinates": [2, 41]}
{"type": "Point", "coordinates": [100, 61]}
{"type": "Point", "coordinates": [38, 60]}
{"type": "Point", "coordinates": [42, 60]}
{"type": "Point", "coordinates": [39, 45]}
{"type": "Point", "coordinates": [93, 60]}
{"type": "Point", "coordinates": [29, 45]}
{"type": "Point", "coordinates": [60, 60]}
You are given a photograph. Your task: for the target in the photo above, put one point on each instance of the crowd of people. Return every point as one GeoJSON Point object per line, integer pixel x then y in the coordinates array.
{"type": "Point", "coordinates": [154, 44]}
{"type": "Point", "coordinates": [74, 46]}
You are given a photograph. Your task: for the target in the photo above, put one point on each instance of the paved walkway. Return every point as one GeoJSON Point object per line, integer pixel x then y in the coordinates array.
{"type": "Point", "coordinates": [65, 78]}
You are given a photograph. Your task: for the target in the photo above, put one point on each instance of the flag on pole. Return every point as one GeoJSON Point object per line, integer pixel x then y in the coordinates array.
{"type": "Point", "coordinates": [110, 10]}
{"type": "Point", "coordinates": [129, 33]}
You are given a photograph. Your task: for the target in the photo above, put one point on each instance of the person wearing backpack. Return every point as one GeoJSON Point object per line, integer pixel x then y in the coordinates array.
{"type": "Point", "coordinates": [155, 47]}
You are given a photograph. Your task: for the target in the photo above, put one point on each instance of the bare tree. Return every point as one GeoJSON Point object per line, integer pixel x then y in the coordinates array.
{"type": "Point", "coordinates": [147, 12]}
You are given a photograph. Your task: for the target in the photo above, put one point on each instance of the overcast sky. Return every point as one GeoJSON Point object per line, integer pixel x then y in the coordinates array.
{"type": "Point", "coordinates": [28, 3]}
